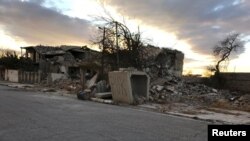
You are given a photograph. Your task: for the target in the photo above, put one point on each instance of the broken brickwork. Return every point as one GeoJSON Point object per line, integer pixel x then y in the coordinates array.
{"type": "Point", "coordinates": [160, 62]}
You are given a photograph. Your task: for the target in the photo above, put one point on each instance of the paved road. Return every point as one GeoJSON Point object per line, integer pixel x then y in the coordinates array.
{"type": "Point", "coordinates": [32, 116]}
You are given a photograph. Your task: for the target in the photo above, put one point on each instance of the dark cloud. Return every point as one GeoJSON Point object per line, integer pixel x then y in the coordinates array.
{"type": "Point", "coordinates": [200, 22]}
{"type": "Point", "coordinates": [35, 24]}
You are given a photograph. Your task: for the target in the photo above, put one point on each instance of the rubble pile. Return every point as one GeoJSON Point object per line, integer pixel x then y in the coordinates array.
{"type": "Point", "coordinates": [243, 100]}
{"type": "Point", "coordinates": [69, 85]}
{"type": "Point", "coordinates": [171, 89]}
{"type": "Point", "coordinates": [72, 86]}
{"type": "Point", "coordinates": [163, 88]}
{"type": "Point", "coordinates": [235, 101]}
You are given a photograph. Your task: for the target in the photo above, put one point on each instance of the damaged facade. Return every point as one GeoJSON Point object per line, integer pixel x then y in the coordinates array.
{"type": "Point", "coordinates": [64, 60]}
{"type": "Point", "coordinates": [132, 86]}
{"type": "Point", "coordinates": [67, 60]}
{"type": "Point", "coordinates": [162, 61]}
{"type": "Point", "coordinates": [64, 67]}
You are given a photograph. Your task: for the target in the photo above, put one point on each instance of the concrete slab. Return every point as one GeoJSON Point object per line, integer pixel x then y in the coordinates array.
{"type": "Point", "coordinates": [103, 95]}
{"type": "Point", "coordinates": [126, 85]}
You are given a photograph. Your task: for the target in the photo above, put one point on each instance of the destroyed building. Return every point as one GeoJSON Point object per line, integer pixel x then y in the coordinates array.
{"type": "Point", "coordinates": [69, 62]}
{"type": "Point", "coordinates": [162, 61]}
{"type": "Point", "coordinates": [64, 59]}
{"type": "Point", "coordinates": [67, 59]}
{"type": "Point", "coordinates": [131, 86]}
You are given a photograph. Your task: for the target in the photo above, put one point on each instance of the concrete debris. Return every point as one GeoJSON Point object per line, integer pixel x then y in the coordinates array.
{"type": "Point", "coordinates": [90, 83]}
{"type": "Point", "coordinates": [139, 100]}
{"type": "Point", "coordinates": [48, 90]}
{"type": "Point", "coordinates": [72, 86]}
{"type": "Point", "coordinates": [172, 89]}
{"type": "Point", "coordinates": [175, 86]}
{"type": "Point", "coordinates": [214, 90]}
{"type": "Point", "coordinates": [126, 86]}
{"type": "Point", "coordinates": [102, 100]}
{"type": "Point", "coordinates": [243, 101]}
{"type": "Point", "coordinates": [104, 95]}
{"type": "Point", "coordinates": [87, 91]}
{"type": "Point", "coordinates": [102, 86]}
{"type": "Point", "coordinates": [159, 88]}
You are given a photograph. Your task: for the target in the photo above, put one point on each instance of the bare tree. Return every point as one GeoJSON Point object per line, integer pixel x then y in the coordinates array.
{"type": "Point", "coordinates": [224, 48]}
{"type": "Point", "coordinates": [10, 59]}
{"type": "Point", "coordinates": [119, 44]}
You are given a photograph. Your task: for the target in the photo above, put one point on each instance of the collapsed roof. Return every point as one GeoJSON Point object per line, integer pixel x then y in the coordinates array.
{"type": "Point", "coordinates": [61, 50]}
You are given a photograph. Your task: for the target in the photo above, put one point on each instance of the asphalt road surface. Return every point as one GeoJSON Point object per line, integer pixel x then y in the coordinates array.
{"type": "Point", "coordinates": [33, 116]}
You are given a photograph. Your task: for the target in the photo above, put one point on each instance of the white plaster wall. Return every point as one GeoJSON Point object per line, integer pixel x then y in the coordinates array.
{"type": "Point", "coordinates": [11, 75]}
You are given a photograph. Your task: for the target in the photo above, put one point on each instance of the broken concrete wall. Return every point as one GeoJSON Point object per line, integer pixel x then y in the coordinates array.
{"type": "Point", "coordinates": [49, 67]}
{"type": "Point", "coordinates": [11, 75]}
{"type": "Point", "coordinates": [29, 77]}
{"type": "Point", "coordinates": [61, 59]}
{"type": "Point", "coordinates": [236, 81]}
{"type": "Point", "coordinates": [163, 61]}
{"type": "Point", "coordinates": [178, 63]}
{"type": "Point", "coordinates": [55, 76]}
{"type": "Point", "coordinates": [22, 76]}
{"type": "Point", "coordinates": [74, 72]}
{"type": "Point", "coordinates": [170, 60]}
{"type": "Point", "coordinates": [127, 86]}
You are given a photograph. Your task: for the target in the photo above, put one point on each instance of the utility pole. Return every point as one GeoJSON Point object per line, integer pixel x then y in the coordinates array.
{"type": "Point", "coordinates": [103, 49]}
{"type": "Point", "coordinates": [117, 47]}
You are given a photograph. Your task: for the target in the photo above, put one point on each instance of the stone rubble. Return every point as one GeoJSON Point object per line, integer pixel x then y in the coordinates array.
{"type": "Point", "coordinates": [72, 86]}
{"type": "Point", "coordinates": [167, 89]}
{"type": "Point", "coordinates": [171, 89]}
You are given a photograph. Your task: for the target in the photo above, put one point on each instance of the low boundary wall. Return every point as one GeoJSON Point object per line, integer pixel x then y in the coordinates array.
{"type": "Point", "coordinates": [236, 81]}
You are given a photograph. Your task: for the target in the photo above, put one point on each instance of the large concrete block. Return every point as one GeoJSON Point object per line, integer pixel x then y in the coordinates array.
{"type": "Point", "coordinates": [126, 86]}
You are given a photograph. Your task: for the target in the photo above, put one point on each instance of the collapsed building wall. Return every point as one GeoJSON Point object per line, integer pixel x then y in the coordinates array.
{"type": "Point", "coordinates": [163, 61]}
{"type": "Point", "coordinates": [64, 59]}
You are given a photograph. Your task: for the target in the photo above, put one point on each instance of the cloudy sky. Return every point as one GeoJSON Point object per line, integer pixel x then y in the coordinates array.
{"type": "Point", "coordinates": [192, 26]}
